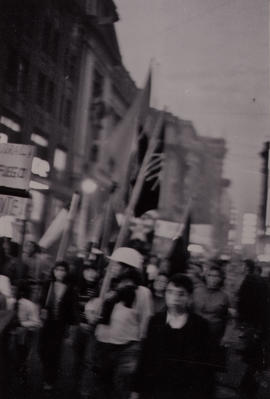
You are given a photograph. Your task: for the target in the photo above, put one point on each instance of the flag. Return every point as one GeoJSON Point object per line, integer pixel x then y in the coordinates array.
{"type": "Point", "coordinates": [102, 11]}
{"type": "Point", "coordinates": [179, 252]}
{"type": "Point", "coordinates": [55, 229]}
{"type": "Point", "coordinates": [149, 197]}
{"type": "Point", "coordinates": [117, 150]}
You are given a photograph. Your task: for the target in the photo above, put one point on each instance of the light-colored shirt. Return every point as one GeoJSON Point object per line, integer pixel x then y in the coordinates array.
{"type": "Point", "coordinates": [128, 324]}
{"type": "Point", "coordinates": [28, 314]}
{"type": "Point", "coordinates": [177, 321]}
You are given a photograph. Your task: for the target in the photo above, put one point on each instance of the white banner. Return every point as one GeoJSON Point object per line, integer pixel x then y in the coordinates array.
{"type": "Point", "coordinates": [13, 206]}
{"type": "Point", "coordinates": [15, 165]}
{"type": "Point", "coordinates": [167, 229]}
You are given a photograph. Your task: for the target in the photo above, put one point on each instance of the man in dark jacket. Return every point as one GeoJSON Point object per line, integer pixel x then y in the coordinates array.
{"type": "Point", "coordinates": [174, 361]}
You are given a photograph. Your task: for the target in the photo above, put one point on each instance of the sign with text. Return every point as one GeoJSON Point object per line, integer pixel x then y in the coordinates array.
{"type": "Point", "coordinates": [13, 206]}
{"type": "Point", "coordinates": [15, 165]}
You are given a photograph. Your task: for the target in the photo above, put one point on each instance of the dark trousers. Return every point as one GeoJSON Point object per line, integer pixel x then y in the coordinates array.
{"type": "Point", "coordinates": [51, 342]}
{"type": "Point", "coordinates": [112, 370]}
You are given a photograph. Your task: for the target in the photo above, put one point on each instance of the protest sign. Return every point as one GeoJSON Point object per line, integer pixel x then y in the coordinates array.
{"type": "Point", "coordinates": [15, 165]}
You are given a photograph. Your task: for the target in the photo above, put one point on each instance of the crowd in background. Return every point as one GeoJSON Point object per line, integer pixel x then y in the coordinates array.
{"type": "Point", "coordinates": [152, 335]}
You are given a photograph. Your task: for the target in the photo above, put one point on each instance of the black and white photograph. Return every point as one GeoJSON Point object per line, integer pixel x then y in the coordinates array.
{"type": "Point", "coordinates": [134, 199]}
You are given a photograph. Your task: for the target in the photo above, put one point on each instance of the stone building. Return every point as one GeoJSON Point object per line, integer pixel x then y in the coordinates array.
{"type": "Point", "coordinates": [62, 87]}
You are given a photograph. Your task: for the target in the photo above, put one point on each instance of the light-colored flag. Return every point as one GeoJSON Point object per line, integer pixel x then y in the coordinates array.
{"type": "Point", "coordinates": [54, 231]}
{"type": "Point", "coordinates": [122, 141]}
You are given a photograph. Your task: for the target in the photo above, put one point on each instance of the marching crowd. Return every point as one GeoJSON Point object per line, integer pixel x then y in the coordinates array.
{"type": "Point", "coordinates": [136, 329]}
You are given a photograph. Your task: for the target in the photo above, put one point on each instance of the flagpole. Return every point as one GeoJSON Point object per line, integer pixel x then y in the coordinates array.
{"type": "Point", "coordinates": [139, 182]}
{"type": "Point", "coordinates": [70, 217]}
{"type": "Point", "coordinates": [132, 203]}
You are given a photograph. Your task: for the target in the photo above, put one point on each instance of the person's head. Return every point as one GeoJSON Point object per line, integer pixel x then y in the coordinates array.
{"type": "Point", "coordinates": [153, 260]}
{"type": "Point", "coordinates": [178, 294]}
{"type": "Point", "coordinates": [124, 257]}
{"type": "Point", "coordinates": [60, 272]}
{"type": "Point", "coordinates": [14, 249]}
{"type": "Point", "coordinates": [130, 277]}
{"type": "Point", "coordinates": [195, 272]}
{"type": "Point", "coordinates": [90, 273]}
{"type": "Point", "coordinates": [214, 278]}
{"type": "Point", "coordinates": [249, 266]}
{"type": "Point", "coordinates": [30, 248]}
{"type": "Point", "coordinates": [258, 270]}
{"type": "Point", "coordinates": [152, 271]}
{"type": "Point", "coordinates": [160, 283]}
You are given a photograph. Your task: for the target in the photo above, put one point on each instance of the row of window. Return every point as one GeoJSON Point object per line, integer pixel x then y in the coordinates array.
{"type": "Point", "coordinates": [17, 75]}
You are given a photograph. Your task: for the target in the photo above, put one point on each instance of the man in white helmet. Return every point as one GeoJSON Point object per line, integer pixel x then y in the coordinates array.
{"type": "Point", "coordinates": [123, 324]}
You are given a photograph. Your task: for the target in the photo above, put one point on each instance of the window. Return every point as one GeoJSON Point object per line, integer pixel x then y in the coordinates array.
{"type": "Point", "coordinates": [61, 111]}
{"type": "Point", "coordinates": [68, 112]}
{"type": "Point", "coordinates": [39, 140]}
{"type": "Point", "coordinates": [98, 82]}
{"type": "Point", "coordinates": [50, 39]}
{"type": "Point", "coordinates": [40, 167]}
{"type": "Point", "coordinates": [17, 71]}
{"type": "Point", "coordinates": [47, 29]}
{"type": "Point", "coordinates": [3, 138]}
{"type": "Point", "coordinates": [50, 97]}
{"type": "Point", "coordinates": [11, 74]}
{"type": "Point", "coordinates": [60, 159]}
{"type": "Point", "coordinates": [22, 74]}
{"type": "Point", "coordinates": [11, 124]}
{"type": "Point", "coordinates": [41, 89]}
{"type": "Point", "coordinates": [38, 201]}
{"type": "Point", "coordinates": [55, 44]}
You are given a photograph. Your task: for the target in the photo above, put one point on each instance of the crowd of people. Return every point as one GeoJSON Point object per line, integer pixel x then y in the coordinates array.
{"type": "Point", "coordinates": [136, 329]}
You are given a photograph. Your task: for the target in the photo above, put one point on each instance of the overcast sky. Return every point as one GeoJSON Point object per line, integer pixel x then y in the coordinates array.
{"type": "Point", "coordinates": [211, 61]}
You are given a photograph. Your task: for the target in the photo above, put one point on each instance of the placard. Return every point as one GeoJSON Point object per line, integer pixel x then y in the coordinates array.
{"type": "Point", "coordinates": [15, 165]}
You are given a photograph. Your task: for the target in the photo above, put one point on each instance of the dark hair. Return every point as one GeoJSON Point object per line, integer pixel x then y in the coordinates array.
{"type": "Point", "coordinates": [221, 273]}
{"type": "Point", "coordinates": [218, 269]}
{"type": "Point", "coordinates": [24, 290]}
{"type": "Point", "coordinates": [131, 273]}
{"type": "Point", "coordinates": [89, 265]}
{"type": "Point", "coordinates": [181, 280]}
{"type": "Point", "coordinates": [250, 265]}
{"type": "Point", "coordinates": [63, 264]}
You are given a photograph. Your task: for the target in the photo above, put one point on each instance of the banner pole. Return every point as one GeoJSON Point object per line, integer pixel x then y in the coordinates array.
{"type": "Point", "coordinates": [65, 236]}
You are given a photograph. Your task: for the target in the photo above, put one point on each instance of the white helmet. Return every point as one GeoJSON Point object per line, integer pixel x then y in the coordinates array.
{"type": "Point", "coordinates": [129, 256]}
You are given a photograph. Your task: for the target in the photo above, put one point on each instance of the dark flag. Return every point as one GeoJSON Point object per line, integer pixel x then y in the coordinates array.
{"type": "Point", "coordinates": [149, 197]}
{"type": "Point", "coordinates": [179, 252]}
{"type": "Point", "coordinates": [103, 12]}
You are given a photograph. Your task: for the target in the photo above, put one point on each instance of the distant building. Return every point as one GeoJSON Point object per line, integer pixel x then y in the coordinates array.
{"type": "Point", "coordinates": [193, 183]}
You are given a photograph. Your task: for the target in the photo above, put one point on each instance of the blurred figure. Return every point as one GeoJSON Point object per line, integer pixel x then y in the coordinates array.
{"type": "Point", "coordinates": [16, 270]}
{"type": "Point", "coordinates": [212, 303]}
{"type": "Point", "coordinates": [159, 287]}
{"type": "Point", "coordinates": [4, 253]}
{"type": "Point", "coordinates": [38, 269]}
{"type": "Point", "coordinates": [195, 273]}
{"type": "Point", "coordinates": [6, 291]}
{"type": "Point", "coordinates": [3, 302]}
{"type": "Point", "coordinates": [59, 311]}
{"type": "Point", "coordinates": [28, 322]}
{"type": "Point", "coordinates": [88, 289]}
{"type": "Point", "coordinates": [151, 270]}
{"type": "Point", "coordinates": [253, 313]}
{"type": "Point", "coordinates": [175, 354]}
{"type": "Point", "coordinates": [123, 324]}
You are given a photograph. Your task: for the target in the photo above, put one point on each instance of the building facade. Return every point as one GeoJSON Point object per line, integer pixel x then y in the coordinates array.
{"type": "Point", "coordinates": [62, 88]}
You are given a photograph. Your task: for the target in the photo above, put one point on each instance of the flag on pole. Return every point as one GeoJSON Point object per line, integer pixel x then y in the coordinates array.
{"type": "Point", "coordinates": [55, 229]}
{"type": "Point", "coordinates": [149, 197]}
{"type": "Point", "coordinates": [122, 142]}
